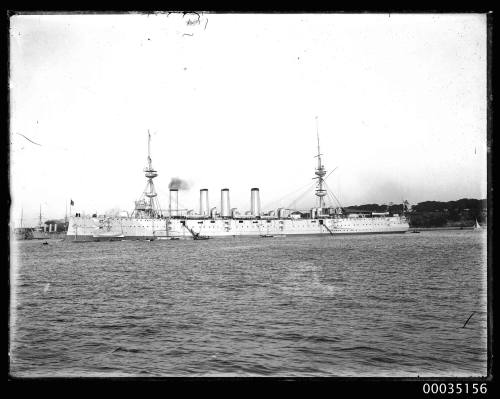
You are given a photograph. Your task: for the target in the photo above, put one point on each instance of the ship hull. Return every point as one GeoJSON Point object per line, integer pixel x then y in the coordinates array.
{"type": "Point", "coordinates": [41, 235]}
{"type": "Point", "coordinates": [89, 238]}
{"type": "Point", "coordinates": [123, 228]}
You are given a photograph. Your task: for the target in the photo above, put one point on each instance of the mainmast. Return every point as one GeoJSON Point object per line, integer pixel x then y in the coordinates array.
{"type": "Point", "coordinates": [320, 172]}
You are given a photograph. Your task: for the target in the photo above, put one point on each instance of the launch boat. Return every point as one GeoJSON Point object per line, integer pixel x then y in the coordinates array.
{"type": "Point", "coordinates": [149, 221]}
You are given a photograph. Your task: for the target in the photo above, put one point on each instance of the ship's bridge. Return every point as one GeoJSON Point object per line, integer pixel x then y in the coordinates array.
{"type": "Point", "coordinates": [142, 205]}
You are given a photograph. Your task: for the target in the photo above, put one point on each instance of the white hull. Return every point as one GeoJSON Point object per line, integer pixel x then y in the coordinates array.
{"type": "Point", "coordinates": [123, 227]}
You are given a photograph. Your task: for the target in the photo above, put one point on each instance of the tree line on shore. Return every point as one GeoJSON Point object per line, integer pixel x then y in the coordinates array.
{"type": "Point", "coordinates": [461, 213]}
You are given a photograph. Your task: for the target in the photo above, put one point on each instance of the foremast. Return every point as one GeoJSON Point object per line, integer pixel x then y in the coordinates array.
{"type": "Point", "coordinates": [148, 205]}
{"type": "Point", "coordinates": [320, 173]}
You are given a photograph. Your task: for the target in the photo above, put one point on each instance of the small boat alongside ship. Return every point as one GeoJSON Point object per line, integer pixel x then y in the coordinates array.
{"type": "Point", "coordinates": [108, 235]}
{"type": "Point", "coordinates": [273, 235]}
{"type": "Point", "coordinates": [149, 221]}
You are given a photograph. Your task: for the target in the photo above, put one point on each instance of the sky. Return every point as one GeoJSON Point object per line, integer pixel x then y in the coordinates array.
{"type": "Point", "coordinates": [236, 100]}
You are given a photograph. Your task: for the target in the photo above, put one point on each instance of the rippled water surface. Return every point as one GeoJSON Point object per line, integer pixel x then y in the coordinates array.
{"type": "Point", "coordinates": [373, 305]}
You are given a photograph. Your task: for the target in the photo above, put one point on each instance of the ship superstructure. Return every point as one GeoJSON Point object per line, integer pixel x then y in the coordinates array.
{"type": "Point", "coordinates": [148, 221]}
{"type": "Point", "coordinates": [53, 229]}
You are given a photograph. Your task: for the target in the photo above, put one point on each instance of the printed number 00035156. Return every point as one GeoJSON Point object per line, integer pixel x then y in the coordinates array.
{"type": "Point", "coordinates": [455, 388]}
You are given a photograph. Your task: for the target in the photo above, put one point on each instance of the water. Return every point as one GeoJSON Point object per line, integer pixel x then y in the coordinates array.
{"type": "Point", "coordinates": [374, 305]}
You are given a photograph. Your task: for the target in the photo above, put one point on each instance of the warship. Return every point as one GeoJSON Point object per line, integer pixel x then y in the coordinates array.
{"type": "Point", "coordinates": [44, 231]}
{"type": "Point", "coordinates": [148, 221]}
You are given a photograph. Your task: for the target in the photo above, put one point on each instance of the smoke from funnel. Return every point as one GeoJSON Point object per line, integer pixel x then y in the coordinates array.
{"type": "Point", "coordinates": [178, 184]}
